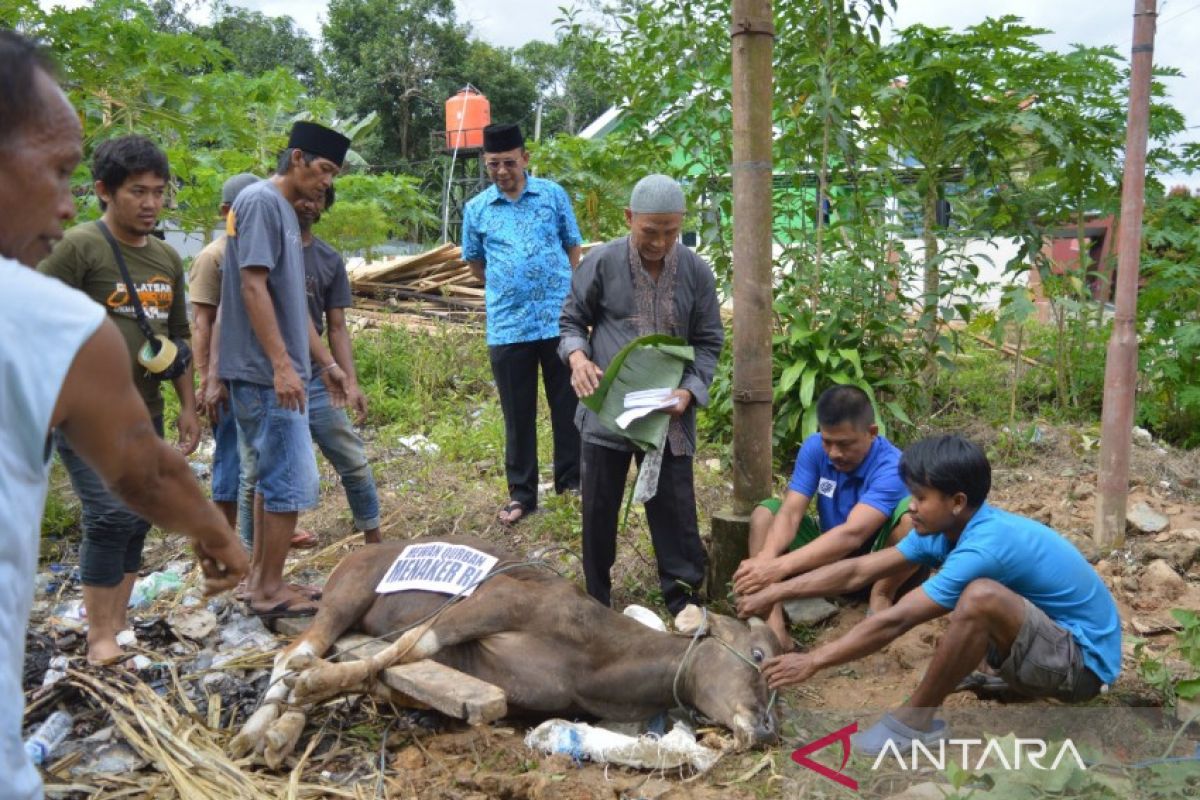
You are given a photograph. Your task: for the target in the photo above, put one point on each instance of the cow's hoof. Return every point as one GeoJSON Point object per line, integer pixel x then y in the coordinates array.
{"type": "Point", "coordinates": [282, 738]}
{"type": "Point", "coordinates": [252, 733]}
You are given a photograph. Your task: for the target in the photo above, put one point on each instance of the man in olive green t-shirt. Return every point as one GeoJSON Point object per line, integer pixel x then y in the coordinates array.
{"type": "Point", "coordinates": [130, 175]}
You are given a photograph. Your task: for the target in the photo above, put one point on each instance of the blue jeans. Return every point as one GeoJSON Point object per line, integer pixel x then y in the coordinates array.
{"type": "Point", "coordinates": [276, 439]}
{"type": "Point", "coordinates": [331, 429]}
{"type": "Point", "coordinates": [113, 535]}
{"type": "Point", "coordinates": [226, 469]}
{"type": "Point", "coordinates": [334, 434]}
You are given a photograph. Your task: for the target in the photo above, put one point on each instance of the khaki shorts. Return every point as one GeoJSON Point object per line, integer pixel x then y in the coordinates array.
{"type": "Point", "coordinates": [1045, 661]}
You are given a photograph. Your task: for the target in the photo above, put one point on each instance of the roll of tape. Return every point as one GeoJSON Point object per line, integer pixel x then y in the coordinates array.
{"type": "Point", "coordinates": [157, 362]}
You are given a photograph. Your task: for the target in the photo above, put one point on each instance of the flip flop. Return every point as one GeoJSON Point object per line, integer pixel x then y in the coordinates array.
{"type": "Point", "coordinates": [509, 508]}
{"type": "Point", "coordinates": [307, 591]}
{"type": "Point", "coordinates": [982, 682]}
{"type": "Point", "coordinates": [304, 539]}
{"type": "Point", "coordinates": [283, 610]}
{"type": "Point", "coordinates": [112, 661]}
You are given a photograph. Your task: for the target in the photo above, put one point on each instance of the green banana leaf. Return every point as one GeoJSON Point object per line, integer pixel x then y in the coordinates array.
{"type": "Point", "coordinates": [649, 362]}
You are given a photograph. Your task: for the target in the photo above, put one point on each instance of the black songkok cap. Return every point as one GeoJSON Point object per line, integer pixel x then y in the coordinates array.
{"type": "Point", "coordinates": [502, 137]}
{"type": "Point", "coordinates": [320, 141]}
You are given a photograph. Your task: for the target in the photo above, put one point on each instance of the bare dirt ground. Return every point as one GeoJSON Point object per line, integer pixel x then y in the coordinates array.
{"type": "Point", "coordinates": [364, 755]}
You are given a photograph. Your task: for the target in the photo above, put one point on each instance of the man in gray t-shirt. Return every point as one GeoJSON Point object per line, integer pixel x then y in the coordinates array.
{"type": "Point", "coordinates": [265, 343]}
{"type": "Point", "coordinates": [263, 233]}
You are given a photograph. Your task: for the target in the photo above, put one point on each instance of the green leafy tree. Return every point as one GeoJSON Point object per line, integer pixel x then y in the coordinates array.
{"type": "Point", "coordinates": [125, 75]}
{"type": "Point", "coordinates": [393, 57]}
{"type": "Point", "coordinates": [570, 74]}
{"type": "Point", "coordinates": [1169, 303]}
{"type": "Point", "coordinates": [258, 43]}
{"type": "Point", "coordinates": [371, 209]}
{"type": "Point", "coordinates": [510, 90]}
{"type": "Point", "coordinates": [954, 104]}
{"type": "Point", "coordinates": [597, 177]}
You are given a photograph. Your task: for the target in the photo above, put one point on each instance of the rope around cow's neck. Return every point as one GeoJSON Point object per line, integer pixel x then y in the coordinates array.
{"type": "Point", "coordinates": [699, 634]}
{"type": "Point", "coordinates": [460, 594]}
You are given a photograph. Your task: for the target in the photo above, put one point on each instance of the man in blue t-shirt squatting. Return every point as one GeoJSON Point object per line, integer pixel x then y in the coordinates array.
{"type": "Point", "coordinates": [853, 474]}
{"type": "Point", "coordinates": [1023, 598]}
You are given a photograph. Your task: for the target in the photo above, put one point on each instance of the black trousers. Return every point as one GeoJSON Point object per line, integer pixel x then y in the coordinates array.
{"type": "Point", "coordinates": [671, 514]}
{"type": "Point", "coordinates": [515, 368]}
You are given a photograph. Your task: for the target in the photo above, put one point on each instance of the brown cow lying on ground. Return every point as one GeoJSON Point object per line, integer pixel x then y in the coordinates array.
{"type": "Point", "coordinates": [551, 648]}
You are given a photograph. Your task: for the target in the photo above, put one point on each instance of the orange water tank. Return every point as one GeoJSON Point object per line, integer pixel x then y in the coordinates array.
{"type": "Point", "coordinates": [467, 114]}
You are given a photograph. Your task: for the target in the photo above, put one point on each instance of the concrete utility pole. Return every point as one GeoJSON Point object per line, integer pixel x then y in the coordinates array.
{"type": "Point", "coordinates": [752, 35]}
{"type": "Point", "coordinates": [1120, 367]}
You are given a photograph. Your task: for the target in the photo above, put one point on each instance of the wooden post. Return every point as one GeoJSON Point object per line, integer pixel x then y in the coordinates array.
{"type": "Point", "coordinates": [1120, 368]}
{"type": "Point", "coordinates": [752, 36]}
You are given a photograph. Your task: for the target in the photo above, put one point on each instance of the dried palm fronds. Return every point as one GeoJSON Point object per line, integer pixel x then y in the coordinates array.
{"type": "Point", "coordinates": [190, 758]}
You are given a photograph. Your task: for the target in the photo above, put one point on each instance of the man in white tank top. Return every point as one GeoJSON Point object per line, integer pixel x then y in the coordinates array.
{"type": "Point", "coordinates": [64, 365]}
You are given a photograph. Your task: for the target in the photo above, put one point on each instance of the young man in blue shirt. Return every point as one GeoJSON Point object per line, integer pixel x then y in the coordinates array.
{"type": "Point", "coordinates": [1023, 598]}
{"type": "Point", "coordinates": [521, 239]}
{"type": "Point", "coordinates": [851, 471]}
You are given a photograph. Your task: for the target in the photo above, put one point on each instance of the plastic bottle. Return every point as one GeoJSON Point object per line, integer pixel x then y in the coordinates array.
{"type": "Point", "coordinates": [146, 589]}
{"type": "Point", "coordinates": [48, 736]}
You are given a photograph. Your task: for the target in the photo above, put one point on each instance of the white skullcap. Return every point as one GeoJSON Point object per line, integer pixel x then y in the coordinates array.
{"type": "Point", "coordinates": [657, 194]}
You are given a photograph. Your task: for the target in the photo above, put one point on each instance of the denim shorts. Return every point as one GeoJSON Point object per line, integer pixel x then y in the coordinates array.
{"type": "Point", "coordinates": [227, 468]}
{"type": "Point", "coordinates": [284, 463]}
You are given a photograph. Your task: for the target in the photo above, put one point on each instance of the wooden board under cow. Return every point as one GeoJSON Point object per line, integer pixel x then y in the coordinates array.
{"type": "Point", "coordinates": [437, 567]}
{"type": "Point", "coordinates": [536, 636]}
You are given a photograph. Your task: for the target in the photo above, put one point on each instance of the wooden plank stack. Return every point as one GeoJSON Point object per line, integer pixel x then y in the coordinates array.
{"type": "Point", "coordinates": [434, 283]}
{"type": "Point", "coordinates": [437, 277]}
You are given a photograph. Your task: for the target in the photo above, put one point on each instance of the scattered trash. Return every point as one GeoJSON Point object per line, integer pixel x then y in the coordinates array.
{"type": "Point", "coordinates": [580, 740]}
{"type": "Point", "coordinates": [126, 638]}
{"type": "Point", "coordinates": [192, 623]}
{"type": "Point", "coordinates": [48, 736]}
{"type": "Point", "coordinates": [217, 682]}
{"type": "Point", "coordinates": [646, 617]}
{"type": "Point", "coordinates": [108, 758]}
{"type": "Point", "coordinates": [246, 632]}
{"type": "Point", "coordinates": [149, 588]}
{"type": "Point", "coordinates": [55, 672]}
{"type": "Point", "coordinates": [68, 616]}
{"type": "Point", "coordinates": [420, 444]}
{"type": "Point", "coordinates": [1142, 436]}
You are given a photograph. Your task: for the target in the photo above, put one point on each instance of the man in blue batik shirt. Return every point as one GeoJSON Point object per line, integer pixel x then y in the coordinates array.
{"type": "Point", "coordinates": [520, 238]}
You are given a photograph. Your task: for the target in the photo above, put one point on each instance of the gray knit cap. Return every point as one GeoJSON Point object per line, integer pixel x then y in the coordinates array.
{"type": "Point", "coordinates": [657, 194]}
{"type": "Point", "coordinates": [233, 187]}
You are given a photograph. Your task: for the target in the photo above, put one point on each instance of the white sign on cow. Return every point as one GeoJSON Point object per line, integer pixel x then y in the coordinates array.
{"type": "Point", "coordinates": [437, 567]}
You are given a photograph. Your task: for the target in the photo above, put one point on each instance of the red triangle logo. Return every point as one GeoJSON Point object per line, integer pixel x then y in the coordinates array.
{"type": "Point", "coordinates": [800, 756]}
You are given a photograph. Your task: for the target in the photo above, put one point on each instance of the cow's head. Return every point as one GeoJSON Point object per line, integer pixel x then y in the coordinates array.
{"type": "Point", "coordinates": [722, 677]}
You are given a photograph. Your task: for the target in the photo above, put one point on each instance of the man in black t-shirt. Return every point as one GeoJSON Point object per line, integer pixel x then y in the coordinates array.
{"type": "Point", "coordinates": [328, 290]}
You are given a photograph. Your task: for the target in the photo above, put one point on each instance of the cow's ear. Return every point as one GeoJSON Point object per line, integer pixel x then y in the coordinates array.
{"type": "Point", "coordinates": [692, 620]}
